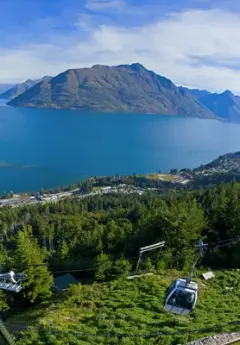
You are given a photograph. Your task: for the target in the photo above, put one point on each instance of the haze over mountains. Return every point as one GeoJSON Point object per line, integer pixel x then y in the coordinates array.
{"type": "Point", "coordinates": [123, 88]}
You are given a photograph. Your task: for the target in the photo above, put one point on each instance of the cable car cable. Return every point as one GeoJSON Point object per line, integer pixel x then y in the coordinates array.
{"type": "Point", "coordinates": [229, 242]}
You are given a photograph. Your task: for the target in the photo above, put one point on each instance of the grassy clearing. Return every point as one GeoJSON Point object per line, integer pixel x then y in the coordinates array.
{"type": "Point", "coordinates": [96, 189]}
{"type": "Point", "coordinates": [131, 307]}
{"type": "Point", "coordinates": [162, 177]}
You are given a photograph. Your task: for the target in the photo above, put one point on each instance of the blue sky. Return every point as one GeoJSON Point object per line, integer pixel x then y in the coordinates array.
{"type": "Point", "coordinates": [193, 42]}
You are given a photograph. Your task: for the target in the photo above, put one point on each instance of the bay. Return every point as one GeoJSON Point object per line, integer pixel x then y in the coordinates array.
{"type": "Point", "coordinates": [42, 148]}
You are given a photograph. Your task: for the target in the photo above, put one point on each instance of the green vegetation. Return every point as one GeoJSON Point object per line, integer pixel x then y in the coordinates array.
{"type": "Point", "coordinates": [162, 177]}
{"type": "Point", "coordinates": [101, 313]}
{"type": "Point", "coordinates": [28, 254]}
{"type": "Point", "coordinates": [98, 240]}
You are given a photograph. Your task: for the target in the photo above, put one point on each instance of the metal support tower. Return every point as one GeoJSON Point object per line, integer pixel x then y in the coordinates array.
{"type": "Point", "coordinates": [142, 250]}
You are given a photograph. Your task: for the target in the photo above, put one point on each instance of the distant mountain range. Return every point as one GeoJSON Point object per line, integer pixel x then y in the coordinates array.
{"type": "Point", "coordinates": [224, 105]}
{"type": "Point", "coordinates": [16, 90]}
{"type": "Point", "coordinates": [123, 88]}
{"type": "Point", "coordinates": [5, 87]}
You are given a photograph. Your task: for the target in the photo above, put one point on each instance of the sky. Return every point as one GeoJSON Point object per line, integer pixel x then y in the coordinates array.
{"type": "Point", "coordinates": [195, 43]}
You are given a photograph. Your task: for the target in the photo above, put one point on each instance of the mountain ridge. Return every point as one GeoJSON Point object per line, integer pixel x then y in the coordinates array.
{"type": "Point", "coordinates": [225, 105]}
{"type": "Point", "coordinates": [19, 88]}
{"type": "Point", "coordinates": [122, 88]}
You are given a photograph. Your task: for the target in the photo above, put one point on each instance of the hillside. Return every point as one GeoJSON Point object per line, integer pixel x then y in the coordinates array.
{"type": "Point", "coordinates": [224, 105]}
{"type": "Point", "coordinates": [97, 239]}
{"type": "Point", "coordinates": [225, 168]}
{"type": "Point", "coordinates": [18, 89]}
{"type": "Point", "coordinates": [128, 312]}
{"type": "Point", "coordinates": [228, 163]}
{"type": "Point", "coordinates": [124, 88]}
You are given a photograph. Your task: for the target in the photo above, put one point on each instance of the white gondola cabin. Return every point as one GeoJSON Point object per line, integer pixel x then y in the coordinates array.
{"type": "Point", "coordinates": [181, 296]}
{"type": "Point", "coordinates": [11, 281]}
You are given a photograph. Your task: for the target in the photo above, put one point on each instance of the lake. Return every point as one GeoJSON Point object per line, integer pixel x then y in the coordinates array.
{"type": "Point", "coordinates": [41, 148]}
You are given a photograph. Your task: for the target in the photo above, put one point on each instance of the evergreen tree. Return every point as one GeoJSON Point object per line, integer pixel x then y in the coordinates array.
{"type": "Point", "coordinates": [3, 301]}
{"type": "Point", "coordinates": [64, 251]}
{"type": "Point", "coordinates": [30, 257]}
{"type": "Point", "coordinates": [148, 264]}
{"type": "Point", "coordinates": [122, 268]}
{"type": "Point", "coordinates": [3, 295]}
{"type": "Point", "coordinates": [103, 267]}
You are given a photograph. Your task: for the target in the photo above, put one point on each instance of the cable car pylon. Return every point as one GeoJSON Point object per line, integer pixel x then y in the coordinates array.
{"type": "Point", "coordinates": [199, 254]}
{"type": "Point", "coordinates": [142, 250]}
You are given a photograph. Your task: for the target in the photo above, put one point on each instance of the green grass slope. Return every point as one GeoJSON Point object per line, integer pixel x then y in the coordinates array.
{"type": "Point", "coordinates": [130, 312]}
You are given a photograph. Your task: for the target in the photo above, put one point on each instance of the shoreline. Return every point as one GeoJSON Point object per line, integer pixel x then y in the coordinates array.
{"type": "Point", "coordinates": [19, 200]}
{"type": "Point", "coordinates": [224, 167]}
{"type": "Point", "coordinates": [120, 112]}
{"type": "Point", "coordinates": [73, 186]}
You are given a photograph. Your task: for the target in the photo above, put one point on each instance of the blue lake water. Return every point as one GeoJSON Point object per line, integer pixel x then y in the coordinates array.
{"type": "Point", "coordinates": [42, 148]}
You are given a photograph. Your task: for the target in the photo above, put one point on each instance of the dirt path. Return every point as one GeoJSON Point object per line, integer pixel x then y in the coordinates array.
{"type": "Point", "coordinates": [220, 339]}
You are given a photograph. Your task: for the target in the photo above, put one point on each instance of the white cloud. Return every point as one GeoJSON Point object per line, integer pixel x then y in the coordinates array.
{"type": "Point", "coordinates": [194, 48]}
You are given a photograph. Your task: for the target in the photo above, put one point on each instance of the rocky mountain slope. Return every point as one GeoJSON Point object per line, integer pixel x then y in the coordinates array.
{"type": "Point", "coordinates": [18, 89]}
{"type": "Point", "coordinates": [124, 88]}
{"type": "Point", "coordinates": [224, 105]}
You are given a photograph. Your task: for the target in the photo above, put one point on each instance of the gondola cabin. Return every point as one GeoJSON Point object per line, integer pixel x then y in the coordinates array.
{"type": "Point", "coordinates": [11, 281]}
{"type": "Point", "coordinates": [181, 297]}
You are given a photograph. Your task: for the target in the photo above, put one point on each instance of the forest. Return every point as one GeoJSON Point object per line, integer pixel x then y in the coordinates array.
{"type": "Point", "coordinates": [97, 239]}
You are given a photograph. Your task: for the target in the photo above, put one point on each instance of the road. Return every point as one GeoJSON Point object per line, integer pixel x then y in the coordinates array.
{"type": "Point", "coordinates": [20, 200]}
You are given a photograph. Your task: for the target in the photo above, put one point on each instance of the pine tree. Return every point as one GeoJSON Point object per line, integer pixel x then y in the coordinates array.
{"type": "Point", "coordinates": [64, 251]}
{"type": "Point", "coordinates": [122, 267]}
{"type": "Point", "coordinates": [103, 267]}
{"type": "Point", "coordinates": [30, 258]}
{"type": "Point", "coordinates": [3, 295]}
{"type": "Point", "coordinates": [148, 265]}
{"type": "Point", "coordinates": [3, 301]}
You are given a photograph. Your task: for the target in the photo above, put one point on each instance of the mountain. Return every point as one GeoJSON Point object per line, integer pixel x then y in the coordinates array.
{"type": "Point", "coordinates": [5, 87]}
{"type": "Point", "coordinates": [224, 105]}
{"type": "Point", "coordinates": [18, 89]}
{"type": "Point", "coordinates": [124, 88]}
{"type": "Point", "coordinates": [195, 92]}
